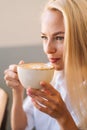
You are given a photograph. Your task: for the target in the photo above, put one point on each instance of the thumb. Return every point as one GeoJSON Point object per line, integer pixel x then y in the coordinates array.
{"type": "Point", "coordinates": [21, 62]}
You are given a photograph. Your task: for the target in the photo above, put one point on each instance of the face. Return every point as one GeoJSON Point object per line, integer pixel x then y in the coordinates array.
{"type": "Point", "coordinates": [52, 34]}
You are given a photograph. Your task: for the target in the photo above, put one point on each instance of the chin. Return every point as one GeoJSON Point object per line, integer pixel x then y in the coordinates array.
{"type": "Point", "coordinates": [58, 67]}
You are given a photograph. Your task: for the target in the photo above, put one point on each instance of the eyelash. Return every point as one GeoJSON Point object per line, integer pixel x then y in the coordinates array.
{"type": "Point", "coordinates": [43, 37]}
{"type": "Point", "coordinates": [59, 38]}
{"type": "Point", "coordinates": [56, 38]}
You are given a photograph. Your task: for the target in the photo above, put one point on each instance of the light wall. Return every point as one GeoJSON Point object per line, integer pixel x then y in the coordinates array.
{"type": "Point", "coordinates": [20, 22]}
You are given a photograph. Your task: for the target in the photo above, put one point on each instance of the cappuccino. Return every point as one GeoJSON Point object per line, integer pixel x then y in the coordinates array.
{"type": "Point", "coordinates": [31, 74]}
{"type": "Point", "coordinates": [37, 66]}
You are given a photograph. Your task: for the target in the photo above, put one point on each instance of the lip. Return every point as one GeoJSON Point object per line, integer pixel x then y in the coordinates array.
{"type": "Point", "coordinates": [54, 60]}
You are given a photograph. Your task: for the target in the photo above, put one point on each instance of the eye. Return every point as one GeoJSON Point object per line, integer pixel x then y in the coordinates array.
{"type": "Point", "coordinates": [59, 38]}
{"type": "Point", "coordinates": [44, 37]}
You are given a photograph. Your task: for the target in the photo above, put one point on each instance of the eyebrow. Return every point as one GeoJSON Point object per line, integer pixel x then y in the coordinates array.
{"type": "Point", "coordinates": [56, 33]}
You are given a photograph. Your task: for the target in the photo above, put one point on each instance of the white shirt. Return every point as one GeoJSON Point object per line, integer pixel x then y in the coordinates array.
{"type": "Point", "coordinates": [40, 120]}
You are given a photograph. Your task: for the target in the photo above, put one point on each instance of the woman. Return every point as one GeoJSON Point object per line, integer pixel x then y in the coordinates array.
{"type": "Point", "coordinates": [62, 105]}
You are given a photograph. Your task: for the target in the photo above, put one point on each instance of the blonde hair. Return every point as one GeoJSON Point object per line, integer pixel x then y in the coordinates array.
{"type": "Point", "coordinates": [75, 53]}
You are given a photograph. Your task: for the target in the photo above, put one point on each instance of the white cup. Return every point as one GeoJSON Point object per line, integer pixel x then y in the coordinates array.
{"type": "Point", "coordinates": [31, 74]}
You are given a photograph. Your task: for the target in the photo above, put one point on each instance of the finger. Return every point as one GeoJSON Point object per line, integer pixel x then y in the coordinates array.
{"type": "Point", "coordinates": [44, 102]}
{"type": "Point", "coordinates": [5, 71]}
{"type": "Point", "coordinates": [9, 75]}
{"type": "Point", "coordinates": [41, 107]}
{"type": "Point", "coordinates": [36, 92]}
{"type": "Point", "coordinates": [37, 104]}
{"type": "Point", "coordinates": [13, 68]}
{"type": "Point", "coordinates": [46, 85]}
{"type": "Point", "coordinates": [12, 84]}
{"type": "Point", "coordinates": [41, 94]}
{"type": "Point", "coordinates": [53, 96]}
{"type": "Point", "coordinates": [21, 62]}
{"type": "Point", "coordinates": [52, 105]}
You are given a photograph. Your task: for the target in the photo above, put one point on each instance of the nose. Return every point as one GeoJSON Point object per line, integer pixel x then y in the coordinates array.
{"type": "Point", "coordinates": [49, 47]}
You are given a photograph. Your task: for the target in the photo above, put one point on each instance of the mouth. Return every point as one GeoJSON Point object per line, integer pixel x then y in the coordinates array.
{"type": "Point", "coordinates": [54, 60]}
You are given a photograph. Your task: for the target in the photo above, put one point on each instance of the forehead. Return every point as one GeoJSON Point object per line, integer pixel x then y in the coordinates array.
{"type": "Point", "coordinates": [52, 13]}
{"type": "Point", "coordinates": [52, 21]}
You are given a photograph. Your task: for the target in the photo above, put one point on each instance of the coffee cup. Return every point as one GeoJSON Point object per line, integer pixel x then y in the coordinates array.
{"type": "Point", "coordinates": [30, 74]}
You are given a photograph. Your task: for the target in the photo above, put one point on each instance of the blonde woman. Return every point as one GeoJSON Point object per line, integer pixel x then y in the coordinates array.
{"type": "Point", "coordinates": [63, 105]}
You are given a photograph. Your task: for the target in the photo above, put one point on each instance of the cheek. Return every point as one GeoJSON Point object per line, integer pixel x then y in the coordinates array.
{"type": "Point", "coordinates": [60, 49]}
{"type": "Point", "coordinates": [44, 48]}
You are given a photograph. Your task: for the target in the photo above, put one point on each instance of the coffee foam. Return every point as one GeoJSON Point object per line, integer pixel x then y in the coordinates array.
{"type": "Point", "coordinates": [37, 66]}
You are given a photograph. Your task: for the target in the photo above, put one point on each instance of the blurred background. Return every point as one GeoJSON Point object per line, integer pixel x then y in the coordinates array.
{"type": "Point", "coordinates": [19, 40]}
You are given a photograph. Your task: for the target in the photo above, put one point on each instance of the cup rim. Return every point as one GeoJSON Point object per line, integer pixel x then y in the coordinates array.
{"type": "Point", "coordinates": [48, 66]}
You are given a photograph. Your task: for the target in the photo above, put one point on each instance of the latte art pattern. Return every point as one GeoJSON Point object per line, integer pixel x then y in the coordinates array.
{"type": "Point", "coordinates": [37, 66]}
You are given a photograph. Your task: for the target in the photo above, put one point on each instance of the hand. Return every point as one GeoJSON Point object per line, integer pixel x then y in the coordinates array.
{"type": "Point", "coordinates": [48, 100]}
{"type": "Point", "coordinates": [11, 78]}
